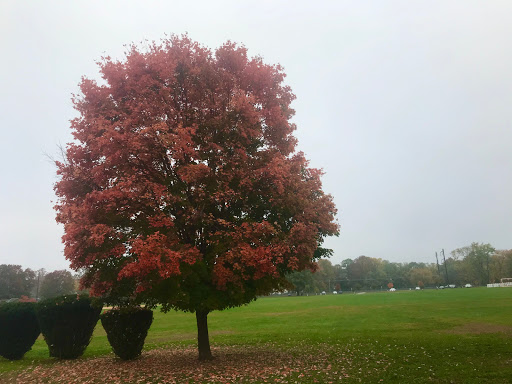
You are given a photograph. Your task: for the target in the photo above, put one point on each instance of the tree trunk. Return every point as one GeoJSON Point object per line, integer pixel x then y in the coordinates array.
{"type": "Point", "coordinates": [203, 341]}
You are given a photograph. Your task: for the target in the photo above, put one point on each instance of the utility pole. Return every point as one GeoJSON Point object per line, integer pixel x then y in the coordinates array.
{"type": "Point", "coordinates": [438, 270]}
{"type": "Point", "coordinates": [445, 267]}
{"type": "Point", "coordinates": [37, 288]}
{"type": "Point", "coordinates": [488, 272]}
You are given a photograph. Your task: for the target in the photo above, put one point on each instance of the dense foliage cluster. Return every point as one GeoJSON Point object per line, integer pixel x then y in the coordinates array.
{"type": "Point", "coordinates": [67, 323]}
{"type": "Point", "coordinates": [183, 186]}
{"type": "Point", "coordinates": [19, 329]}
{"type": "Point", "coordinates": [127, 329]}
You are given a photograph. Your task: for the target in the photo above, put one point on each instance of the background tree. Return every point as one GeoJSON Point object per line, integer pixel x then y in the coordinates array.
{"type": "Point", "coordinates": [38, 281]}
{"type": "Point", "coordinates": [15, 282]}
{"type": "Point", "coordinates": [425, 275]}
{"type": "Point", "coordinates": [501, 265]}
{"type": "Point", "coordinates": [57, 283]}
{"type": "Point", "coordinates": [507, 265]}
{"type": "Point", "coordinates": [183, 186]}
{"type": "Point", "coordinates": [343, 275]}
{"type": "Point", "coordinates": [303, 282]}
{"type": "Point", "coordinates": [78, 287]}
{"type": "Point", "coordinates": [367, 272]}
{"type": "Point", "coordinates": [474, 262]}
{"type": "Point", "coordinates": [345, 263]}
{"type": "Point", "coordinates": [325, 275]}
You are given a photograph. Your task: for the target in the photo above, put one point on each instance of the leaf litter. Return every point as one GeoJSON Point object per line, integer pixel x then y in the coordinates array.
{"type": "Point", "coordinates": [266, 363]}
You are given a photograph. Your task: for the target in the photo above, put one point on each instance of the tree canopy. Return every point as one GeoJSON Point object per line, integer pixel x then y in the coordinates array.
{"type": "Point", "coordinates": [15, 281]}
{"type": "Point", "coordinates": [57, 283]}
{"type": "Point", "coordinates": [183, 186]}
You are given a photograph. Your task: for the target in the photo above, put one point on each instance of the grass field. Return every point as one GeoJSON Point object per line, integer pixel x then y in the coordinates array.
{"type": "Point", "coordinates": [439, 336]}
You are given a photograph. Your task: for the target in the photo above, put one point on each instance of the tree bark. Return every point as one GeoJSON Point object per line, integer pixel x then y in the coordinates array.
{"type": "Point", "coordinates": [203, 341]}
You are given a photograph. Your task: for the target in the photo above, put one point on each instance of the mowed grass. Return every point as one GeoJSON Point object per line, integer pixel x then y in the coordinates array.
{"type": "Point", "coordinates": [440, 336]}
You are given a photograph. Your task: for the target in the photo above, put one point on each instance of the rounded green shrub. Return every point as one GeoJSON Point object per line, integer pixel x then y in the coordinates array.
{"type": "Point", "coordinates": [127, 329]}
{"type": "Point", "coordinates": [19, 329]}
{"type": "Point", "coordinates": [67, 323]}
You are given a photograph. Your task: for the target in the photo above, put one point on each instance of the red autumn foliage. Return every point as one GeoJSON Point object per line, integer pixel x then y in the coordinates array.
{"type": "Point", "coordinates": [183, 186]}
{"type": "Point", "coordinates": [26, 299]}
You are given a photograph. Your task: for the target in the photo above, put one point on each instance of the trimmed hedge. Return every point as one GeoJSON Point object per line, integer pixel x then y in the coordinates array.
{"type": "Point", "coordinates": [67, 323]}
{"type": "Point", "coordinates": [127, 329]}
{"type": "Point", "coordinates": [19, 329]}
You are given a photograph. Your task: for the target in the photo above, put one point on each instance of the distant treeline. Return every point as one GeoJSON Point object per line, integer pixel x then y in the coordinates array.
{"type": "Point", "coordinates": [16, 282]}
{"type": "Point", "coordinates": [476, 264]}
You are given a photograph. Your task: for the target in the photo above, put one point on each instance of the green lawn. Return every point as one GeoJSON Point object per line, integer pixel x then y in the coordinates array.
{"type": "Point", "coordinates": [440, 336]}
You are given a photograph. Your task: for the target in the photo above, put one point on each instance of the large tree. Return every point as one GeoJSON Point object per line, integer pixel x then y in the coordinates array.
{"type": "Point", "coordinates": [476, 260]}
{"type": "Point", "coordinates": [15, 282]}
{"type": "Point", "coordinates": [57, 283]}
{"type": "Point", "coordinates": [183, 186]}
{"type": "Point", "coordinates": [303, 282]}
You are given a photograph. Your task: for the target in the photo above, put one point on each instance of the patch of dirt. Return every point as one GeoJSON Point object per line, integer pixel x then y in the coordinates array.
{"type": "Point", "coordinates": [480, 328]}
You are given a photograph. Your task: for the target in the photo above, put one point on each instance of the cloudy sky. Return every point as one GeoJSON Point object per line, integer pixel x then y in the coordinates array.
{"type": "Point", "coordinates": [406, 105]}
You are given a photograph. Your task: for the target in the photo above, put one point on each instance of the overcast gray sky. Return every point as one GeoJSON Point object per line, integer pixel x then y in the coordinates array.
{"type": "Point", "coordinates": [406, 105]}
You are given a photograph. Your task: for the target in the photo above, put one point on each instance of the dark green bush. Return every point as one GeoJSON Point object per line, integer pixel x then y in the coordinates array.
{"type": "Point", "coordinates": [19, 329]}
{"type": "Point", "coordinates": [67, 323]}
{"type": "Point", "coordinates": [127, 329]}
